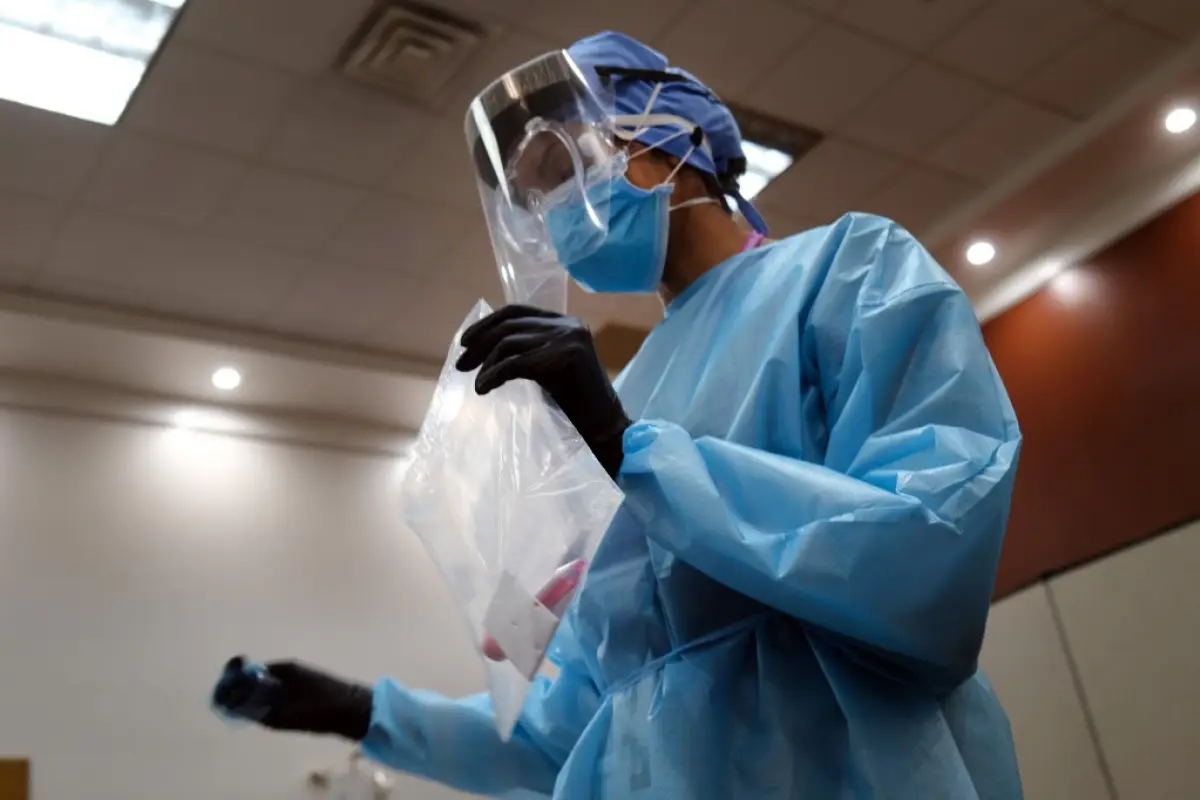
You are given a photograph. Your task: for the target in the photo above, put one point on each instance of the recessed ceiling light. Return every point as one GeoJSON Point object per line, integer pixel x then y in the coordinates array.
{"type": "Point", "coordinates": [763, 165]}
{"type": "Point", "coordinates": [1180, 119]}
{"type": "Point", "coordinates": [227, 379]}
{"type": "Point", "coordinates": [82, 58]}
{"type": "Point", "coordinates": [981, 252]}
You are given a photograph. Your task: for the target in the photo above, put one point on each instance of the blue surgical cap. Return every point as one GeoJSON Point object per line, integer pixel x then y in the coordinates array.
{"type": "Point", "coordinates": [687, 98]}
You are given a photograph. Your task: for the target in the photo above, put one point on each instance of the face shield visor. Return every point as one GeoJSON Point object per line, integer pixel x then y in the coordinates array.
{"type": "Point", "coordinates": [541, 137]}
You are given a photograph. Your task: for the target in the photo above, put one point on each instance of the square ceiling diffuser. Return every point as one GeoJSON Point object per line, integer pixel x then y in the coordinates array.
{"type": "Point", "coordinates": [410, 48]}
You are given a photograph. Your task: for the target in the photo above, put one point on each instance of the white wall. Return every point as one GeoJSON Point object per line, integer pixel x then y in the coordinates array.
{"type": "Point", "coordinates": [134, 560]}
{"type": "Point", "coordinates": [1100, 672]}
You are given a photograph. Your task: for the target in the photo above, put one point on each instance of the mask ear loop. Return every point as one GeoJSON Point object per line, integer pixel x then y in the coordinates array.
{"type": "Point", "coordinates": [646, 120]}
{"type": "Point", "coordinates": [695, 201]}
{"type": "Point", "coordinates": [697, 135]}
{"type": "Point", "coordinates": [644, 124]}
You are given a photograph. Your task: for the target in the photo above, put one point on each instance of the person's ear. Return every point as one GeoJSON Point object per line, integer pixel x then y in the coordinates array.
{"type": "Point", "coordinates": [647, 171]}
{"type": "Point", "coordinates": [689, 184]}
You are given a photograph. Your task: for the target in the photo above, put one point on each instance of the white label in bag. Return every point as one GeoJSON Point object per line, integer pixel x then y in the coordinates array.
{"type": "Point", "coordinates": [521, 625]}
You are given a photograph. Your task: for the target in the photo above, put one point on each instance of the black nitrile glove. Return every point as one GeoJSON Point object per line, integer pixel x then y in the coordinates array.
{"type": "Point", "coordinates": [556, 352]}
{"type": "Point", "coordinates": [291, 696]}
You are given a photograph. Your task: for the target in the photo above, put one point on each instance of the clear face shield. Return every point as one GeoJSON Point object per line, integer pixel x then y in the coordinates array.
{"type": "Point", "coordinates": [541, 137]}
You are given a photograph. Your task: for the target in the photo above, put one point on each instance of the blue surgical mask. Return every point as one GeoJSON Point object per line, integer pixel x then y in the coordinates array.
{"type": "Point", "coordinates": [632, 255]}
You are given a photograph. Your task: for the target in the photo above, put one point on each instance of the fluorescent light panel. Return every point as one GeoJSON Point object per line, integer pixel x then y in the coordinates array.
{"type": "Point", "coordinates": [82, 58]}
{"type": "Point", "coordinates": [763, 165]}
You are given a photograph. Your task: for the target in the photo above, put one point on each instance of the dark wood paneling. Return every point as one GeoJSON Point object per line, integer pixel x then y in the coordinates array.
{"type": "Point", "coordinates": [14, 779]}
{"type": "Point", "coordinates": [1103, 367]}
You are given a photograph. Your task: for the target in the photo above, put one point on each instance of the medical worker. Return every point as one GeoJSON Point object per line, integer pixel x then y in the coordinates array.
{"type": "Point", "coordinates": [817, 456]}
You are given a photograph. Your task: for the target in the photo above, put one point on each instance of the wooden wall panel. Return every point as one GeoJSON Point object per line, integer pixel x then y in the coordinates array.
{"type": "Point", "coordinates": [14, 779]}
{"type": "Point", "coordinates": [1103, 367]}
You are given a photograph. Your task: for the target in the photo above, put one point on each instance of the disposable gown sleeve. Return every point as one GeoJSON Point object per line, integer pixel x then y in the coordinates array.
{"type": "Point", "coordinates": [454, 742]}
{"type": "Point", "coordinates": [889, 547]}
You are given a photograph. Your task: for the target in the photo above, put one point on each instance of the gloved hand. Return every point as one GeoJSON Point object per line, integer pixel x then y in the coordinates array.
{"type": "Point", "coordinates": [556, 352]}
{"type": "Point", "coordinates": [297, 698]}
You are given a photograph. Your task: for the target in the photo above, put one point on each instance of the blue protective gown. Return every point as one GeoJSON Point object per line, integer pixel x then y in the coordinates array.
{"type": "Point", "coordinates": [791, 602]}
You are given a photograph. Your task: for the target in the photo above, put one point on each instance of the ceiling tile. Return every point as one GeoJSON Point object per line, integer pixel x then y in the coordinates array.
{"type": "Point", "coordinates": [829, 74]}
{"type": "Point", "coordinates": [169, 182]}
{"type": "Point", "coordinates": [919, 108]}
{"type": "Point", "coordinates": [206, 98]}
{"type": "Point", "coordinates": [252, 283]}
{"type": "Point", "coordinates": [49, 155]}
{"type": "Point", "coordinates": [820, 6]}
{"type": "Point", "coordinates": [232, 281]}
{"type": "Point", "coordinates": [301, 35]}
{"type": "Point", "coordinates": [91, 290]}
{"type": "Point", "coordinates": [26, 226]}
{"type": "Point", "coordinates": [1010, 38]}
{"type": "Point", "coordinates": [472, 263]}
{"type": "Point", "coordinates": [339, 301]}
{"type": "Point", "coordinates": [831, 179]}
{"type": "Point", "coordinates": [108, 248]}
{"type": "Point", "coordinates": [439, 168]}
{"type": "Point", "coordinates": [421, 321]}
{"type": "Point", "coordinates": [400, 234]}
{"type": "Point", "coordinates": [145, 264]}
{"type": "Point", "coordinates": [1080, 80]}
{"type": "Point", "coordinates": [1008, 130]}
{"type": "Point", "coordinates": [505, 50]}
{"type": "Point", "coordinates": [914, 24]}
{"type": "Point", "coordinates": [346, 132]}
{"type": "Point", "coordinates": [513, 11]}
{"type": "Point", "coordinates": [326, 305]}
{"type": "Point", "coordinates": [566, 22]}
{"type": "Point", "coordinates": [918, 197]}
{"type": "Point", "coordinates": [728, 44]}
{"type": "Point", "coordinates": [285, 209]}
{"type": "Point", "coordinates": [1177, 18]}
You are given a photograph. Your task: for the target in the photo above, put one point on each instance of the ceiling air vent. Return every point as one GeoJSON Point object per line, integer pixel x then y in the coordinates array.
{"type": "Point", "coordinates": [410, 48]}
